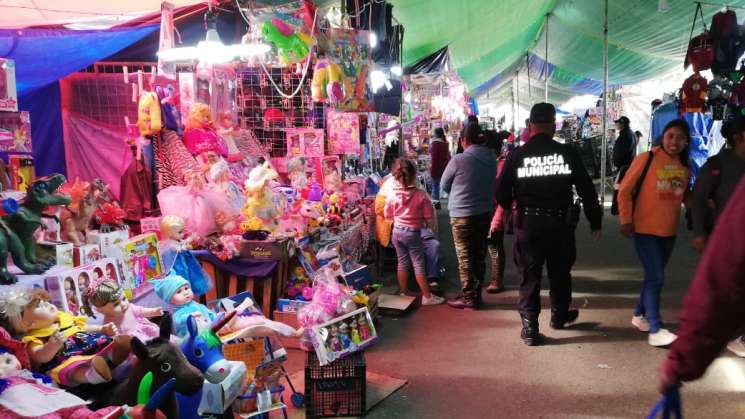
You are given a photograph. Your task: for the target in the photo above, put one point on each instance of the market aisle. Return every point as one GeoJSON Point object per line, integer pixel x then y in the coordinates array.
{"type": "Point", "coordinates": [473, 364]}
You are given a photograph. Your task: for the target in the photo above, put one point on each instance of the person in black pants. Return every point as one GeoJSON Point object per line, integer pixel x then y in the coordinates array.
{"type": "Point", "coordinates": [540, 176]}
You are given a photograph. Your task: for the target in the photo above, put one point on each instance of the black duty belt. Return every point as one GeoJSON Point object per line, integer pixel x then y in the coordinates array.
{"type": "Point", "coordinates": [544, 212]}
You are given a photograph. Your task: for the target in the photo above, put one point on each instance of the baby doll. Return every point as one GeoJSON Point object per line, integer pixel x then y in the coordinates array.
{"type": "Point", "coordinates": [354, 332]}
{"type": "Point", "coordinates": [363, 329]}
{"type": "Point", "coordinates": [25, 394]}
{"type": "Point", "coordinates": [176, 256]}
{"type": "Point", "coordinates": [175, 291]}
{"type": "Point", "coordinates": [131, 320]}
{"type": "Point", "coordinates": [62, 345]}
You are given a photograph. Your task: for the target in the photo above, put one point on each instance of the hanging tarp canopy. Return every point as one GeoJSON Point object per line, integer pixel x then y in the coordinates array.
{"type": "Point", "coordinates": [488, 40]}
{"type": "Point", "coordinates": [437, 62]}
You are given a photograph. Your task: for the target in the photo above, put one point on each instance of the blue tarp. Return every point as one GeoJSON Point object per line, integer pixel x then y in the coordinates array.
{"type": "Point", "coordinates": [46, 128]}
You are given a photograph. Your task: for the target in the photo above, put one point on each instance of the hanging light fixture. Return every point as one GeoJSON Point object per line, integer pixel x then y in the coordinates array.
{"type": "Point", "coordinates": [212, 50]}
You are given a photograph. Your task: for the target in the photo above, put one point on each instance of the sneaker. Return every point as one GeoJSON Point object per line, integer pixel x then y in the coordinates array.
{"type": "Point", "coordinates": [737, 346]}
{"type": "Point", "coordinates": [462, 304]}
{"type": "Point", "coordinates": [433, 300]}
{"type": "Point", "coordinates": [663, 337]}
{"type": "Point", "coordinates": [437, 205]}
{"type": "Point", "coordinates": [434, 286]}
{"type": "Point", "coordinates": [641, 323]}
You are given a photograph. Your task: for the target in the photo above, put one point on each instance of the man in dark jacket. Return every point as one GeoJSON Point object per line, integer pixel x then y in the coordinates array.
{"type": "Point", "coordinates": [624, 148]}
{"type": "Point", "coordinates": [438, 150]}
{"type": "Point", "coordinates": [714, 307]}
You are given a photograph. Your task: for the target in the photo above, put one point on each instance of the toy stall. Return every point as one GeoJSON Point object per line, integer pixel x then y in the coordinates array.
{"type": "Point", "coordinates": [216, 205]}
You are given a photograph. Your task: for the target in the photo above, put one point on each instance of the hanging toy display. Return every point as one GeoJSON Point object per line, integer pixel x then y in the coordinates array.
{"type": "Point", "coordinates": [329, 83]}
{"type": "Point", "coordinates": [292, 46]}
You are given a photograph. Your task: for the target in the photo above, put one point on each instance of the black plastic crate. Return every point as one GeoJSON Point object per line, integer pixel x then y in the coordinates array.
{"type": "Point", "coordinates": [336, 389]}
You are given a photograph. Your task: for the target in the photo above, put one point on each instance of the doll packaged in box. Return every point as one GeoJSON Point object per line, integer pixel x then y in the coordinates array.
{"type": "Point", "coordinates": [142, 260]}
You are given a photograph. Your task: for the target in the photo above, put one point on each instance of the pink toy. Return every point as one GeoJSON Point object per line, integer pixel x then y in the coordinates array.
{"type": "Point", "coordinates": [307, 293]}
{"type": "Point", "coordinates": [283, 27]}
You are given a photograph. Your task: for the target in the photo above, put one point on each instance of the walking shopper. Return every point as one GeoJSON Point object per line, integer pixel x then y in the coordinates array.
{"type": "Point", "coordinates": [715, 184]}
{"type": "Point", "coordinates": [649, 207]}
{"type": "Point", "coordinates": [495, 240]}
{"type": "Point", "coordinates": [440, 154]}
{"type": "Point", "coordinates": [540, 176]}
{"type": "Point", "coordinates": [714, 307]}
{"type": "Point", "coordinates": [624, 150]}
{"type": "Point", "coordinates": [411, 210]}
{"type": "Point", "coordinates": [469, 178]}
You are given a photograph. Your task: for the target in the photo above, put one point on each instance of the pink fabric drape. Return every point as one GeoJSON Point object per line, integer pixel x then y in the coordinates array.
{"type": "Point", "coordinates": [94, 150]}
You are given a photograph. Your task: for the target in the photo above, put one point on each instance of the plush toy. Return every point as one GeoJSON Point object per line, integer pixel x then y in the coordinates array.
{"type": "Point", "coordinates": [17, 230]}
{"type": "Point", "coordinates": [149, 119]}
{"type": "Point", "coordinates": [176, 256]}
{"type": "Point", "coordinates": [110, 217]}
{"type": "Point", "coordinates": [176, 292]}
{"type": "Point", "coordinates": [313, 214]}
{"type": "Point", "coordinates": [60, 344]}
{"type": "Point", "coordinates": [130, 319]}
{"type": "Point", "coordinates": [260, 203]}
{"type": "Point", "coordinates": [25, 394]}
{"type": "Point", "coordinates": [329, 83]}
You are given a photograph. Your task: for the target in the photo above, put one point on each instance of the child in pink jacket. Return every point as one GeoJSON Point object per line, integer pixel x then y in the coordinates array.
{"type": "Point", "coordinates": [411, 209]}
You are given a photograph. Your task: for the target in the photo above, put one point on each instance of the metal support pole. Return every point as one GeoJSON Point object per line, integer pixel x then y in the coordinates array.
{"type": "Point", "coordinates": [545, 64]}
{"type": "Point", "coordinates": [530, 89]}
{"type": "Point", "coordinates": [517, 94]}
{"type": "Point", "coordinates": [514, 114]}
{"type": "Point", "coordinates": [604, 150]}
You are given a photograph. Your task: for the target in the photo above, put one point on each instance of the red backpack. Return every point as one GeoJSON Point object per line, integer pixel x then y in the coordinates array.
{"type": "Point", "coordinates": [701, 49]}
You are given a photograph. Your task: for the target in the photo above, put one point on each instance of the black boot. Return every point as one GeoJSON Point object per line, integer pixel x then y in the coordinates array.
{"type": "Point", "coordinates": [559, 320]}
{"type": "Point", "coordinates": [529, 333]}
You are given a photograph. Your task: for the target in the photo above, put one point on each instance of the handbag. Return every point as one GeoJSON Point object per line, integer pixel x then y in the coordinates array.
{"type": "Point", "coordinates": [669, 406]}
{"type": "Point", "coordinates": [639, 182]}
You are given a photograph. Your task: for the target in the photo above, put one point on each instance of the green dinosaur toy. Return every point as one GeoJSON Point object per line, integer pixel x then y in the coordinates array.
{"type": "Point", "coordinates": [17, 230]}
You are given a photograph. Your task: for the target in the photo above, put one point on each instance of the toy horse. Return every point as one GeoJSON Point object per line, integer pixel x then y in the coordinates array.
{"type": "Point", "coordinates": [165, 361]}
{"type": "Point", "coordinates": [204, 349]}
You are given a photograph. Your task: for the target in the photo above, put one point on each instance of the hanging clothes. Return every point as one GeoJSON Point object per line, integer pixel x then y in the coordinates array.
{"type": "Point", "coordinates": [137, 190]}
{"type": "Point", "coordinates": [700, 52]}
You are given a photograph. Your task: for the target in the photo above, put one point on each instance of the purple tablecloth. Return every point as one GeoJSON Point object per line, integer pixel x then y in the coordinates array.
{"type": "Point", "coordinates": [253, 268]}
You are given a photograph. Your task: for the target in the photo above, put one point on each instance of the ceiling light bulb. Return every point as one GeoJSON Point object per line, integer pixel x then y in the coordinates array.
{"type": "Point", "coordinates": [396, 70]}
{"type": "Point", "coordinates": [373, 40]}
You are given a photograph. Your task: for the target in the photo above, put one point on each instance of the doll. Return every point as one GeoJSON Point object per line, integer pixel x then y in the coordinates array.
{"type": "Point", "coordinates": [25, 394]}
{"type": "Point", "coordinates": [344, 335]}
{"type": "Point", "coordinates": [354, 332]}
{"type": "Point", "coordinates": [175, 291]}
{"type": "Point", "coordinates": [363, 329]}
{"type": "Point", "coordinates": [259, 197]}
{"type": "Point", "coordinates": [220, 182]}
{"type": "Point", "coordinates": [131, 320]}
{"type": "Point", "coordinates": [71, 295]}
{"type": "Point", "coordinates": [60, 344]}
{"type": "Point", "coordinates": [334, 341]}
{"type": "Point", "coordinates": [200, 135]}
{"type": "Point", "coordinates": [196, 204]}
{"type": "Point", "coordinates": [177, 258]}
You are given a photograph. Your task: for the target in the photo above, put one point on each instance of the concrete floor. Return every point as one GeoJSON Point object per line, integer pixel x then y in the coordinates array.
{"type": "Point", "coordinates": [473, 364]}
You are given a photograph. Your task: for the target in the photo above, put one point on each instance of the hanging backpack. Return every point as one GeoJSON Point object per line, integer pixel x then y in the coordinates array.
{"type": "Point", "coordinates": [701, 48]}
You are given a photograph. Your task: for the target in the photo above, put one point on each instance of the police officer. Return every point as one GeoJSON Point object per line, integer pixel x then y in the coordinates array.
{"type": "Point", "coordinates": [540, 176]}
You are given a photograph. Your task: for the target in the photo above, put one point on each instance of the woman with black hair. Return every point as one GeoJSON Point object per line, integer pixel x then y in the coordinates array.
{"type": "Point", "coordinates": [649, 201]}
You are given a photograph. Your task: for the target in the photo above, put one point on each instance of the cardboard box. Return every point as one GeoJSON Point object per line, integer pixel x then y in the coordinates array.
{"type": "Point", "coordinates": [15, 132]}
{"type": "Point", "coordinates": [62, 252]}
{"type": "Point", "coordinates": [66, 288]}
{"type": "Point", "coordinates": [107, 240]}
{"type": "Point", "coordinates": [285, 305]}
{"type": "Point", "coordinates": [85, 254]}
{"type": "Point", "coordinates": [151, 225]}
{"type": "Point", "coordinates": [217, 398]}
{"type": "Point", "coordinates": [289, 318]}
{"type": "Point", "coordinates": [8, 92]}
{"type": "Point", "coordinates": [141, 261]}
{"type": "Point", "coordinates": [21, 171]}
{"type": "Point", "coordinates": [359, 277]}
{"type": "Point", "coordinates": [267, 250]}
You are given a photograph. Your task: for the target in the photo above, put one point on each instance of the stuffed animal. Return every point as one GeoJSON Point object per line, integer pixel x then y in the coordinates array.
{"type": "Point", "coordinates": [329, 83]}
{"type": "Point", "coordinates": [149, 119]}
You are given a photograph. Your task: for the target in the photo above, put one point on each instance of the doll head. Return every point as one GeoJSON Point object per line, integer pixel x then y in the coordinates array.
{"type": "Point", "coordinates": [173, 289]}
{"type": "Point", "coordinates": [343, 328]}
{"type": "Point", "coordinates": [84, 280]}
{"type": "Point", "coordinates": [200, 116]}
{"type": "Point", "coordinates": [27, 310]}
{"type": "Point", "coordinates": [9, 364]}
{"type": "Point", "coordinates": [172, 227]}
{"type": "Point", "coordinates": [70, 294]}
{"type": "Point", "coordinates": [98, 272]}
{"type": "Point", "coordinates": [110, 272]}
{"type": "Point", "coordinates": [107, 297]}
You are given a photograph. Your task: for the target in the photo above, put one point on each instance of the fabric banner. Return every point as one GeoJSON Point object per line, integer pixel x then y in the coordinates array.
{"type": "Point", "coordinates": [305, 142]}
{"type": "Point", "coordinates": [94, 150]}
{"type": "Point", "coordinates": [343, 133]}
{"type": "Point", "coordinates": [350, 49]}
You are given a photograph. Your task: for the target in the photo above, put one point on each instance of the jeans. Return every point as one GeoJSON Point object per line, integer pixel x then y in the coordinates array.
{"type": "Point", "coordinates": [436, 190]}
{"type": "Point", "coordinates": [469, 235]}
{"type": "Point", "coordinates": [431, 255]}
{"type": "Point", "coordinates": [549, 240]}
{"type": "Point", "coordinates": [653, 252]}
{"type": "Point", "coordinates": [409, 250]}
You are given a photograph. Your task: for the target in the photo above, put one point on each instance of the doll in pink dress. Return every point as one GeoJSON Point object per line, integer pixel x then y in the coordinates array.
{"type": "Point", "coordinates": [131, 320]}
{"type": "Point", "coordinates": [200, 135]}
{"type": "Point", "coordinates": [197, 204]}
